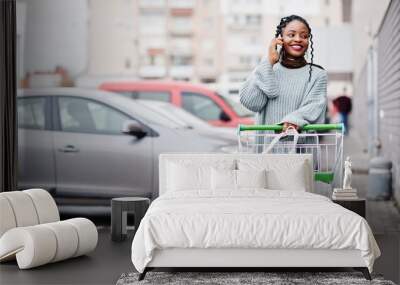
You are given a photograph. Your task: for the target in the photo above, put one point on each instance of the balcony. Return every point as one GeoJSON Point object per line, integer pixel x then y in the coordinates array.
{"type": "Point", "coordinates": [182, 4]}
{"type": "Point", "coordinates": [181, 30]}
{"type": "Point", "coordinates": [207, 71]}
{"type": "Point", "coordinates": [152, 71]}
{"type": "Point", "coordinates": [152, 4]}
{"type": "Point", "coordinates": [181, 12]}
{"type": "Point", "coordinates": [181, 48]}
{"type": "Point", "coordinates": [152, 43]}
{"type": "Point", "coordinates": [182, 71]}
{"type": "Point", "coordinates": [240, 22]}
{"type": "Point", "coordinates": [240, 66]}
{"type": "Point", "coordinates": [181, 26]}
{"type": "Point", "coordinates": [237, 27]}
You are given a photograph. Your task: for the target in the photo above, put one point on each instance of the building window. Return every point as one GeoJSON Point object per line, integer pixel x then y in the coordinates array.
{"type": "Point", "coordinates": [127, 63]}
{"type": "Point", "coordinates": [31, 113]}
{"type": "Point", "coordinates": [253, 20]}
{"type": "Point", "coordinates": [246, 59]}
{"type": "Point", "coordinates": [181, 60]}
{"type": "Point", "coordinates": [153, 60]}
{"type": "Point", "coordinates": [253, 40]}
{"type": "Point", "coordinates": [181, 23]}
{"type": "Point", "coordinates": [236, 19]}
{"type": "Point", "coordinates": [208, 80]}
{"type": "Point", "coordinates": [209, 61]}
{"type": "Point", "coordinates": [346, 9]}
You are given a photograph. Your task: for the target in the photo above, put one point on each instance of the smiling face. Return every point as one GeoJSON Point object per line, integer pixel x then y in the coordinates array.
{"type": "Point", "coordinates": [295, 38]}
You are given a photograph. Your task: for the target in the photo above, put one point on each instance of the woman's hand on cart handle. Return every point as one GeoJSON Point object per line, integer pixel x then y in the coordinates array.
{"type": "Point", "coordinates": [273, 54]}
{"type": "Point", "coordinates": [286, 125]}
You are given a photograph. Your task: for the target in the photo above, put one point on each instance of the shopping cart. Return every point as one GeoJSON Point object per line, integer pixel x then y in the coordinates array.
{"type": "Point", "coordinates": [323, 141]}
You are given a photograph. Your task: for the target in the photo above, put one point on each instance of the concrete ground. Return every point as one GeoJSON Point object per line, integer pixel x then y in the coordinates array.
{"type": "Point", "coordinates": [111, 259]}
{"type": "Point", "coordinates": [382, 216]}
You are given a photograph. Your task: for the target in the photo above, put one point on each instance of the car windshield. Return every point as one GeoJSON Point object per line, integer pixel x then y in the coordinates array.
{"type": "Point", "coordinates": [175, 114]}
{"type": "Point", "coordinates": [238, 108]}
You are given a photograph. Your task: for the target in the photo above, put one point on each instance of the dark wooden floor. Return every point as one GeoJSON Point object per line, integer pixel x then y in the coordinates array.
{"type": "Point", "coordinates": [103, 266]}
{"type": "Point", "coordinates": [110, 259]}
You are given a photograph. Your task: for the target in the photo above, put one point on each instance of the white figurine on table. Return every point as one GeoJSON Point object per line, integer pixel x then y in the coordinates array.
{"type": "Point", "coordinates": [347, 192]}
{"type": "Point", "coordinates": [347, 174]}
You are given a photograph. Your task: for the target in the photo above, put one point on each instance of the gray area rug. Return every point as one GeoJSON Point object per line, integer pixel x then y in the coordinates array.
{"type": "Point", "coordinates": [228, 278]}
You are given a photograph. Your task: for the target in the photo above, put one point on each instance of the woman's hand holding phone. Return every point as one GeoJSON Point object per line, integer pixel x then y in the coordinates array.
{"type": "Point", "coordinates": [273, 53]}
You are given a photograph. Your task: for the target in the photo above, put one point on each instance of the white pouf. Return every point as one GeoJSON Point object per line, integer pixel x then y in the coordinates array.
{"type": "Point", "coordinates": [67, 237]}
{"type": "Point", "coordinates": [32, 246]}
{"type": "Point", "coordinates": [7, 220]}
{"type": "Point", "coordinates": [31, 233]}
{"type": "Point", "coordinates": [45, 205]}
{"type": "Point", "coordinates": [87, 233]}
{"type": "Point", "coordinates": [37, 245]}
{"type": "Point", "coordinates": [23, 208]}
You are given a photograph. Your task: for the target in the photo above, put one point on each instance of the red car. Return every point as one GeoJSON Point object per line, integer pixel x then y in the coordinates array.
{"type": "Point", "coordinates": [196, 99]}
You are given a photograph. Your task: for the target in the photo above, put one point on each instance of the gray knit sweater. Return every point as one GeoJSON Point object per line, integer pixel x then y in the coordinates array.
{"type": "Point", "coordinates": [279, 94]}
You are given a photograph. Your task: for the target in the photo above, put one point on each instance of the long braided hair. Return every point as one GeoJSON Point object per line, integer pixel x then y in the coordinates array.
{"type": "Point", "coordinates": [286, 20]}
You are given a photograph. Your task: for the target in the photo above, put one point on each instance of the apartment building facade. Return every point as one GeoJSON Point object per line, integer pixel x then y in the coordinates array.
{"type": "Point", "coordinates": [209, 41]}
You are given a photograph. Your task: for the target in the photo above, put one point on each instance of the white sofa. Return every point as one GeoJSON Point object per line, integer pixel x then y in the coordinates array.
{"type": "Point", "coordinates": [31, 231]}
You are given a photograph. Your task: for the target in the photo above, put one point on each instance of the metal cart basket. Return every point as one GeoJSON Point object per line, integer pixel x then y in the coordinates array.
{"type": "Point", "coordinates": [323, 141]}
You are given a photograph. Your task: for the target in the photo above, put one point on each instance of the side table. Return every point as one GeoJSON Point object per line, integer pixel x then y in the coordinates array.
{"type": "Point", "coordinates": [356, 205]}
{"type": "Point", "coordinates": [120, 207]}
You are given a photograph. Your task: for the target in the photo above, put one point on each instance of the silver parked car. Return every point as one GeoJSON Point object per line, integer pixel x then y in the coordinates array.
{"type": "Point", "coordinates": [86, 146]}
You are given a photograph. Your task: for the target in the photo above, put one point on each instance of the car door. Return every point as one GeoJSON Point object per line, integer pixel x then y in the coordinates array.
{"type": "Point", "coordinates": [35, 144]}
{"type": "Point", "coordinates": [93, 157]}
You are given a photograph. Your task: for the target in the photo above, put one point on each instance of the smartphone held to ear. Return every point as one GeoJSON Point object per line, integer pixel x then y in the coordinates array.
{"type": "Point", "coordinates": [279, 46]}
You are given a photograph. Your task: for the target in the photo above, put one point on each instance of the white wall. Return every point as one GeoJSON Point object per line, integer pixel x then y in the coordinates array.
{"type": "Point", "coordinates": [55, 34]}
{"type": "Point", "coordinates": [333, 48]}
{"type": "Point", "coordinates": [367, 17]}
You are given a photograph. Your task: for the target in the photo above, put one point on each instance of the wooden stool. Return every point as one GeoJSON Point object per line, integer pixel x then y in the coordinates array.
{"type": "Point", "coordinates": [120, 207]}
{"type": "Point", "coordinates": [356, 205]}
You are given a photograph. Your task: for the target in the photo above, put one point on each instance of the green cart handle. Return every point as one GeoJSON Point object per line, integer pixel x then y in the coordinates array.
{"type": "Point", "coordinates": [310, 127]}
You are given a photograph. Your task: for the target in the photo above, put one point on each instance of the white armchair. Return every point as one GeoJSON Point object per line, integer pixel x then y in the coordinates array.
{"type": "Point", "coordinates": [31, 230]}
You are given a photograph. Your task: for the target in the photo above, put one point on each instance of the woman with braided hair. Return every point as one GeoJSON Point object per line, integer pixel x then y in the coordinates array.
{"type": "Point", "coordinates": [284, 88]}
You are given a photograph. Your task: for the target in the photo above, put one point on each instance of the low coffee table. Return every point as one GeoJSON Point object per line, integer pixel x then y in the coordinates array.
{"type": "Point", "coordinates": [120, 207]}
